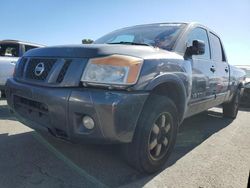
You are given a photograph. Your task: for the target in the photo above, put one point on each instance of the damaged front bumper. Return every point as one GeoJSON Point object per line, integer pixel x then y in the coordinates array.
{"type": "Point", "coordinates": [60, 111]}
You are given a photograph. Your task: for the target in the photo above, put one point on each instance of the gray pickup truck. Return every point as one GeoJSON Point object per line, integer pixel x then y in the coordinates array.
{"type": "Point", "coordinates": [133, 86]}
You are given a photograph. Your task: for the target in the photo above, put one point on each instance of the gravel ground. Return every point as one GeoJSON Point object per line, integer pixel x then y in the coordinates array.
{"type": "Point", "coordinates": [210, 152]}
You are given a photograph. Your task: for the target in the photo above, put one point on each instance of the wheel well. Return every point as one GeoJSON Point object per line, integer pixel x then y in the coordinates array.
{"type": "Point", "coordinates": [175, 93]}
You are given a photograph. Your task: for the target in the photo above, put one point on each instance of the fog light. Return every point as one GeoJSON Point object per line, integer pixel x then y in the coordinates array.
{"type": "Point", "coordinates": [88, 122]}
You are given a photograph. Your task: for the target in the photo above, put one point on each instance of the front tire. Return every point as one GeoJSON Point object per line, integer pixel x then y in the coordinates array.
{"type": "Point", "coordinates": [230, 110]}
{"type": "Point", "coordinates": [155, 135]}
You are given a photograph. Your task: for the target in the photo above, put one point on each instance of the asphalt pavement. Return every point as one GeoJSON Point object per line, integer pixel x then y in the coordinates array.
{"type": "Point", "coordinates": [211, 151]}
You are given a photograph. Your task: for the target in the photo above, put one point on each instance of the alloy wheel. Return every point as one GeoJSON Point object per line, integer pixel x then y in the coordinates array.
{"type": "Point", "coordinates": [160, 135]}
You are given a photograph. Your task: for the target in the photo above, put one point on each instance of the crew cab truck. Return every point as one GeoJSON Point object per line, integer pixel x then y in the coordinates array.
{"type": "Point", "coordinates": [133, 86]}
{"type": "Point", "coordinates": [10, 51]}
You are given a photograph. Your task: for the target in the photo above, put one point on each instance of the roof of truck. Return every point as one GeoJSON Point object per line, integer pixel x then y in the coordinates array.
{"type": "Point", "coordinates": [188, 25]}
{"type": "Point", "coordinates": [21, 42]}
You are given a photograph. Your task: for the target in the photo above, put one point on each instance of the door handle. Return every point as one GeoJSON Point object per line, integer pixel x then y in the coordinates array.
{"type": "Point", "coordinates": [226, 69]}
{"type": "Point", "coordinates": [212, 69]}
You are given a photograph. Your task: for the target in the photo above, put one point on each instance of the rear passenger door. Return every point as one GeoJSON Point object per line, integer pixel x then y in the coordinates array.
{"type": "Point", "coordinates": [222, 67]}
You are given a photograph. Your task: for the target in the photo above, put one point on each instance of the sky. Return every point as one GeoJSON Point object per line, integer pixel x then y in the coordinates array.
{"type": "Point", "coordinates": [56, 22]}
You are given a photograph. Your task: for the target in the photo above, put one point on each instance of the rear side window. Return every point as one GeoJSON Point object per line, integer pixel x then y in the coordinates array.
{"type": "Point", "coordinates": [9, 50]}
{"type": "Point", "coordinates": [28, 47]}
{"type": "Point", "coordinates": [216, 48]}
{"type": "Point", "coordinates": [200, 34]}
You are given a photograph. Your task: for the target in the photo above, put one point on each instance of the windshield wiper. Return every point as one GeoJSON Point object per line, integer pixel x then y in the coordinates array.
{"type": "Point", "coordinates": [130, 43]}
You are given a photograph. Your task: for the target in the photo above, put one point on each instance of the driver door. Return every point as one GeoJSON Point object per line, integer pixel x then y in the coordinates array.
{"type": "Point", "coordinates": [203, 74]}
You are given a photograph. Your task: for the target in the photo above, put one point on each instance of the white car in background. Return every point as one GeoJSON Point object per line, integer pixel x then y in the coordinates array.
{"type": "Point", "coordinates": [10, 51]}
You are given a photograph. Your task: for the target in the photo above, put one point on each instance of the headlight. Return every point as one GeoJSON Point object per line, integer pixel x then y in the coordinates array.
{"type": "Point", "coordinates": [112, 70]}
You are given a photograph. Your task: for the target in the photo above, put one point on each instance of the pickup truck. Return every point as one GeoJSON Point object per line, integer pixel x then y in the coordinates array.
{"type": "Point", "coordinates": [133, 86]}
{"type": "Point", "coordinates": [10, 51]}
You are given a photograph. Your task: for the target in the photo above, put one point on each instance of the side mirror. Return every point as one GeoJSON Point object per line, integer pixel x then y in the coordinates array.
{"type": "Point", "coordinates": [87, 41]}
{"type": "Point", "coordinates": [197, 48]}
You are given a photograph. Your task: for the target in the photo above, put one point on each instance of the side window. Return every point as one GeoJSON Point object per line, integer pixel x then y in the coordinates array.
{"type": "Point", "coordinates": [200, 34]}
{"type": "Point", "coordinates": [9, 50]}
{"type": "Point", "coordinates": [28, 47]}
{"type": "Point", "coordinates": [216, 48]}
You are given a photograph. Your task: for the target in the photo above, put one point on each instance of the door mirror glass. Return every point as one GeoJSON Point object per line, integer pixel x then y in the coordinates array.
{"type": "Point", "coordinates": [197, 48]}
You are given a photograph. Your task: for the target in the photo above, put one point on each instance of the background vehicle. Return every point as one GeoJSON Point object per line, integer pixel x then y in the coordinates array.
{"type": "Point", "coordinates": [133, 86]}
{"type": "Point", "coordinates": [245, 100]}
{"type": "Point", "coordinates": [10, 51]}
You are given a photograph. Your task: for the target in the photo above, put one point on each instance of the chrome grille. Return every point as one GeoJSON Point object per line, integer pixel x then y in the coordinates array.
{"type": "Point", "coordinates": [30, 71]}
{"type": "Point", "coordinates": [56, 72]}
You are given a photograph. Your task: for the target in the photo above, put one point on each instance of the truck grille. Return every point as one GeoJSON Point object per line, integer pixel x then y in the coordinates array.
{"type": "Point", "coordinates": [31, 68]}
{"type": "Point", "coordinates": [53, 72]}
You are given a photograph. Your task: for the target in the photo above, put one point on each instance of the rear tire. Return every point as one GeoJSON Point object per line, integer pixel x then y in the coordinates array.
{"type": "Point", "coordinates": [155, 135]}
{"type": "Point", "coordinates": [230, 110]}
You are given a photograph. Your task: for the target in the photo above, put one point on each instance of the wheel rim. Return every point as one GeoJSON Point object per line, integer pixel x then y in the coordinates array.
{"type": "Point", "coordinates": [160, 136]}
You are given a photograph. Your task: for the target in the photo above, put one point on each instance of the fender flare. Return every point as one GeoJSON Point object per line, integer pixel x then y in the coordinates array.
{"type": "Point", "coordinates": [175, 80]}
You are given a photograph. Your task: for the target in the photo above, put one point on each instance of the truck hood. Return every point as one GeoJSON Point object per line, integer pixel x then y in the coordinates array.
{"type": "Point", "coordinates": [98, 50]}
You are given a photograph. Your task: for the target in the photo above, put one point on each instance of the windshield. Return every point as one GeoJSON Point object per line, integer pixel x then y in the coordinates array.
{"type": "Point", "coordinates": [9, 50]}
{"type": "Point", "coordinates": [158, 35]}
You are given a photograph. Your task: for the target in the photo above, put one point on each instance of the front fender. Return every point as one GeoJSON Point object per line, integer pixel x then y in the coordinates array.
{"type": "Point", "coordinates": [181, 89]}
{"type": "Point", "coordinates": [165, 78]}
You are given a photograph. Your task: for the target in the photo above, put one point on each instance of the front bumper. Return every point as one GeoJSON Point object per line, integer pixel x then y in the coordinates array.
{"type": "Point", "coordinates": [60, 111]}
